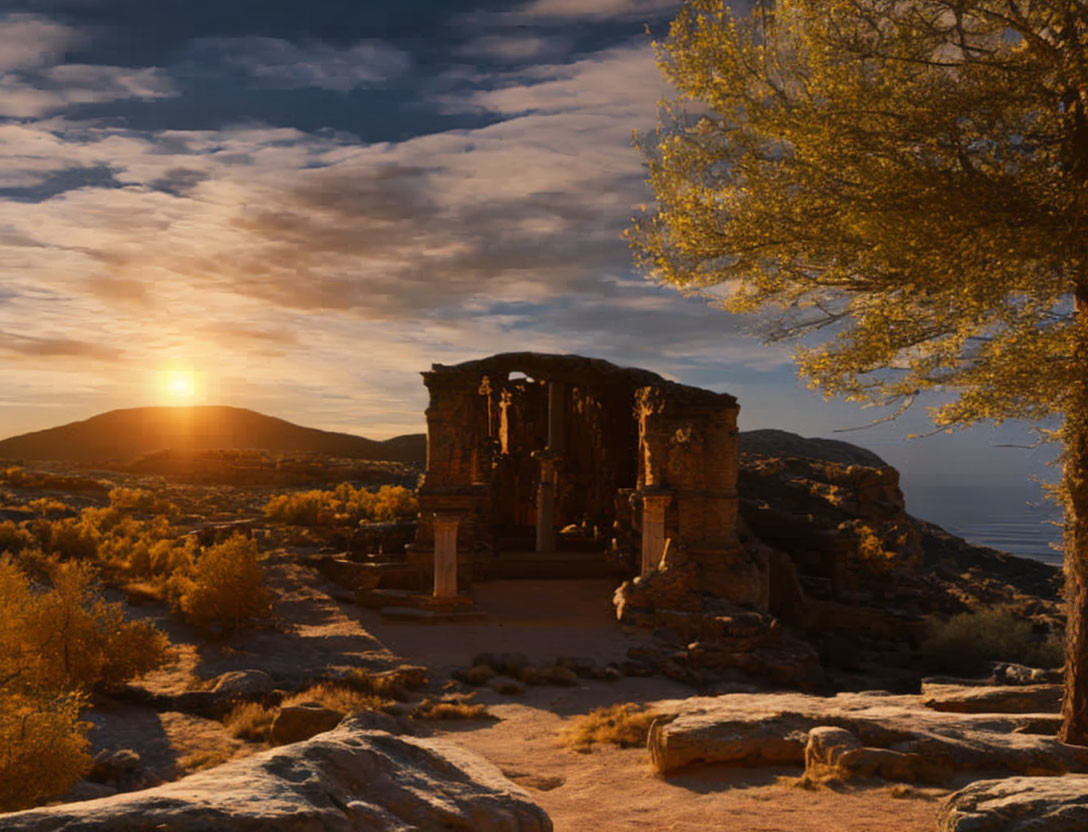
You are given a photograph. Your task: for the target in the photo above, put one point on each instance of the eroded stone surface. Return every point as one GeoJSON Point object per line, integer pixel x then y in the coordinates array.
{"type": "Point", "coordinates": [1018, 804]}
{"type": "Point", "coordinates": [347, 779]}
{"type": "Point", "coordinates": [768, 729]}
{"type": "Point", "coordinates": [1004, 699]}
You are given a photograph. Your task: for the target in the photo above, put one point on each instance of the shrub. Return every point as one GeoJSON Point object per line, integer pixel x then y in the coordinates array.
{"type": "Point", "coordinates": [344, 505]}
{"type": "Point", "coordinates": [14, 538]}
{"type": "Point", "coordinates": [43, 746]}
{"type": "Point", "coordinates": [250, 721]}
{"type": "Point", "coordinates": [48, 507]}
{"type": "Point", "coordinates": [67, 637]}
{"type": "Point", "coordinates": [70, 538]}
{"type": "Point", "coordinates": [224, 588]}
{"type": "Point", "coordinates": [626, 725]}
{"type": "Point", "coordinates": [129, 500]}
{"type": "Point", "coordinates": [968, 642]}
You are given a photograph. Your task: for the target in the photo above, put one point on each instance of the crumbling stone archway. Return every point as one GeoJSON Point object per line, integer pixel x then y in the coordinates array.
{"type": "Point", "coordinates": [562, 462]}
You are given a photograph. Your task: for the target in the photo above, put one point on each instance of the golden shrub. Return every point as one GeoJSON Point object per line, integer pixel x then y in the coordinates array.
{"type": "Point", "coordinates": [344, 505]}
{"type": "Point", "coordinates": [224, 588]}
{"type": "Point", "coordinates": [14, 538]}
{"type": "Point", "coordinates": [67, 637]}
{"type": "Point", "coordinates": [626, 725]}
{"type": "Point", "coordinates": [43, 746]}
{"type": "Point", "coordinates": [69, 538]}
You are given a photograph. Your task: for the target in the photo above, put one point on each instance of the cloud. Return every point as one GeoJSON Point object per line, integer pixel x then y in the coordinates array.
{"type": "Point", "coordinates": [34, 83]}
{"type": "Point", "coordinates": [29, 41]}
{"type": "Point", "coordinates": [282, 64]}
{"type": "Point", "coordinates": [563, 11]}
{"type": "Point", "coordinates": [291, 264]}
{"type": "Point", "coordinates": [515, 48]}
{"type": "Point", "coordinates": [22, 346]}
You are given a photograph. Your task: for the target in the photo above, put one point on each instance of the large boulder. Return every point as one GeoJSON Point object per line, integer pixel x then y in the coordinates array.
{"type": "Point", "coordinates": [1018, 804]}
{"type": "Point", "coordinates": [296, 723]}
{"type": "Point", "coordinates": [347, 779]}
{"type": "Point", "coordinates": [895, 737]}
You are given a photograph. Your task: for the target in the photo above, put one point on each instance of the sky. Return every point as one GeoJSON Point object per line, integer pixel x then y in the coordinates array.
{"type": "Point", "coordinates": [300, 206]}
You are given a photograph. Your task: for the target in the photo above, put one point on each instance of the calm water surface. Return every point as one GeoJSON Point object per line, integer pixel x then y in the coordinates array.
{"type": "Point", "coordinates": [1013, 519]}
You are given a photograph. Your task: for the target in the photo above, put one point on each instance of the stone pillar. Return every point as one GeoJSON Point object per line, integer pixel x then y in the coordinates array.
{"type": "Point", "coordinates": [545, 503]}
{"type": "Point", "coordinates": [653, 530]}
{"type": "Point", "coordinates": [545, 497]}
{"type": "Point", "coordinates": [445, 555]}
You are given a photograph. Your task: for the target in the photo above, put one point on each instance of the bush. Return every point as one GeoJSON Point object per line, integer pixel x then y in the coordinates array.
{"type": "Point", "coordinates": [626, 725]}
{"type": "Point", "coordinates": [224, 588]}
{"type": "Point", "coordinates": [43, 746]}
{"type": "Point", "coordinates": [128, 500]}
{"type": "Point", "coordinates": [14, 538]}
{"type": "Point", "coordinates": [344, 505]}
{"type": "Point", "coordinates": [454, 708]}
{"type": "Point", "coordinates": [67, 637]}
{"type": "Point", "coordinates": [70, 538]}
{"type": "Point", "coordinates": [968, 642]}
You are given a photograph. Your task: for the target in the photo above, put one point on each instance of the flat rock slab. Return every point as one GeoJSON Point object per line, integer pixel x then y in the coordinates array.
{"type": "Point", "coordinates": [346, 779]}
{"type": "Point", "coordinates": [993, 699]}
{"type": "Point", "coordinates": [773, 729]}
{"type": "Point", "coordinates": [1018, 804]}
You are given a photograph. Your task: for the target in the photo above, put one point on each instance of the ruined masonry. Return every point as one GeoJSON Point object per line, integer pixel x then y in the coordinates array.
{"type": "Point", "coordinates": [565, 466]}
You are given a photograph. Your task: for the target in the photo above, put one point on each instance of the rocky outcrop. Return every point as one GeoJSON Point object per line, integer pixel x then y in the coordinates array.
{"type": "Point", "coordinates": [1001, 699]}
{"type": "Point", "coordinates": [1018, 804]}
{"type": "Point", "coordinates": [875, 734]}
{"type": "Point", "coordinates": [347, 779]}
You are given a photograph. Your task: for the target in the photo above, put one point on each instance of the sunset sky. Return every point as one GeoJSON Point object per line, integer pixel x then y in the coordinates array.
{"type": "Point", "coordinates": [298, 206]}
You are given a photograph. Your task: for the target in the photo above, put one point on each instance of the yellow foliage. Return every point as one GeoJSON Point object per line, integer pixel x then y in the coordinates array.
{"type": "Point", "coordinates": [14, 538]}
{"type": "Point", "coordinates": [224, 588]}
{"type": "Point", "coordinates": [139, 500]}
{"type": "Point", "coordinates": [43, 746]}
{"type": "Point", "coordinates": [47, 506]}
{"type": "Point", "coordinates": [345, 504]}
{"type": "Point", "coordinates": [67, 637]}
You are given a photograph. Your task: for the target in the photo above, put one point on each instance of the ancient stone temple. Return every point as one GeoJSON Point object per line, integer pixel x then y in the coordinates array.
{"type": "Point", "coordinates": [565, 466]}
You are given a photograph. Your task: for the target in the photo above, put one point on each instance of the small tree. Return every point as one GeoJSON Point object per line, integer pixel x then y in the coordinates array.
{"type": "Point", "coordinates": [225, 587]}
{"type": "Point", "coordinates": [910, 177]}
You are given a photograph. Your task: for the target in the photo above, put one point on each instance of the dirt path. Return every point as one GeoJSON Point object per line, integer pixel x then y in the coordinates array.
{"type": "Point", "coordinates": [612, 789]}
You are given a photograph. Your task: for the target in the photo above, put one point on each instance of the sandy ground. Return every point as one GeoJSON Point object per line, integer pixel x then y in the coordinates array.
{"type": "Point", "coordinates": [607, 790]}
{"type": "Point", "coordinates": [612, 789]}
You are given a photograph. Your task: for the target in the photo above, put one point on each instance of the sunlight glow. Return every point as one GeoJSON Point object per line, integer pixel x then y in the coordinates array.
{"type": "Point", "coordinates": [179, 385]}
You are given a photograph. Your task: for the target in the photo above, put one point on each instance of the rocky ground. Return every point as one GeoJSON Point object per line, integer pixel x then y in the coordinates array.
{"type": "Point", "coordinates": [735, 748]}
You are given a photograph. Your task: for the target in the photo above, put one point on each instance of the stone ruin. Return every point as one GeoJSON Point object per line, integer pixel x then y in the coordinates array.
{"type": "Point", "coordinates": [565, 466]}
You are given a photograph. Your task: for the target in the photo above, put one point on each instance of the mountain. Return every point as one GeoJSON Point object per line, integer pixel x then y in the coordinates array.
{"type": "Point", "coordinates": [124, 435]}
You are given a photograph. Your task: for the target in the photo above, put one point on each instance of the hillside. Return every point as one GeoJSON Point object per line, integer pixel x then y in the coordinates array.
{"type": "Point", "coordinates": [124, 435]}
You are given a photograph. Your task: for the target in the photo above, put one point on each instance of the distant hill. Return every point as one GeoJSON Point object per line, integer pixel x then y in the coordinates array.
{"type": "Point", "coordinates": [124, 435]}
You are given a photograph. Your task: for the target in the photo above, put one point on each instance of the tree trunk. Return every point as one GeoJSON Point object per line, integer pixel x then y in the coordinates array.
{"type": "Point", "coordinates": [1075, 486]}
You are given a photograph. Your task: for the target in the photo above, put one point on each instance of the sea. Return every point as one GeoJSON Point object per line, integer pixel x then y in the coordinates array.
{"type": "Point", "coordinates": [1014, 519]}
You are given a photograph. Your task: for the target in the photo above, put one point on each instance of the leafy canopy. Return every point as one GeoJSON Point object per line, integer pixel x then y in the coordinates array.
{"type": "Point", "coordinates": [910, 174]}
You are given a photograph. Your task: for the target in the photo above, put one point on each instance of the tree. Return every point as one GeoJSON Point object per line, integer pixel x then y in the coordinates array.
{"type": "Point", "coordinates": [902, 184]}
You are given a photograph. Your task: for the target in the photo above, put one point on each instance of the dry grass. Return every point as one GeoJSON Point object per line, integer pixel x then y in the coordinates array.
{"type": "Point", "coordinates": [453, 708]}
{"type": "Point", "coordinates": [626, 725]}
{"type": "Point", "coordinates": [206, 758]}
{"type": "Point", "coordinates": [387, 684]}
{"type": "Point", "coordinates": [250, 721]}
{"type": "Point", "coordinates": [339, 697]}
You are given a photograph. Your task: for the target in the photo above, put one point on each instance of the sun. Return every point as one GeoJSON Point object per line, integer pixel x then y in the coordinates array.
{"type": "Point", "coordinates": [179, 385]}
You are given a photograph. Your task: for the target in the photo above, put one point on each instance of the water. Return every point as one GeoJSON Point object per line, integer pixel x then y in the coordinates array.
{"type": "Point", "coordinates": [1014, 519]}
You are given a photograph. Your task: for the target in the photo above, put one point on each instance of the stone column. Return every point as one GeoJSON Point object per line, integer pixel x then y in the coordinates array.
{"type": "Point", "coordinates": [653, 530]}
{"type": "Point", "coordinates": [545, 503]}
{"type": "Point", "coordinates": [445, 555]}
{"type": "Point", "coordinates": [545, 497]}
